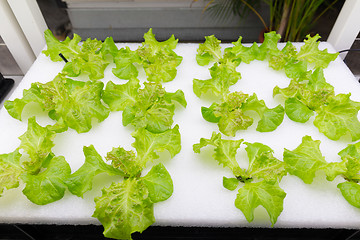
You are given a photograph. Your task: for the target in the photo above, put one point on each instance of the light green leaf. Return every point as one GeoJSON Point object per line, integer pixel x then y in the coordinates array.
{"type": "Point", "coordinates": [351, 157]}
{"type": "Point", "coordinates": [246, 54]}
{"type": "Point", "coordinates": [37, 141]}
{"type": "Point", "coordinates": [208, 113]}
{"type": "Point", "coordinates": [153, 108]}
{"type": "Point", "coordinates": [223, 75]}
{"type": "Point", "coordinates": [10, 170]}
{"type": "Point", "coordinates": [305, 160]}
{"type": "Point", "coordinates": [310, 52]}
{"type": "Point", "coordinates": [124, 208]}
{"type": "Point", "coordinates": [120, 96]}
{"type": "Point", "coordinates": [271, 118]}
{"type": "Point", "coordinates": [224, 152]}
{"type": "Point", "coordinates": [158, 58]}
{"type": "Point", "coordinates": [148, 143]}
{"type": "Point", "coordinates": [230, 183]}
{"type": "Point", "coordinates": [297, 111]}
{"type": "Point", "coordinates": [81, 181]}
{"type": "Point", "coordinates": [339, 117]}
{"type": "Point", "coordinates": [75, 102]}
{"type": "Point", "coordinates": [159, 183]}
{"type": "Point", "coordinates": [124, 60]}
{"type": "Point", "coordinates": [351, 192]}
{"type": "Point", "coordinates": [262, 163]}
{"type": "Point", "coordinates": [47, 186]}
{"type": "Point", "coordinates": [270, 196]}
{"type": "Point", "coordinates": [125, 161]}
{"type": "Point", "coordinates": [109, 48]}
{"type": "Point", "coordinates": [208, 51]}
{"type": "Point", "coordinates": [333, 169]}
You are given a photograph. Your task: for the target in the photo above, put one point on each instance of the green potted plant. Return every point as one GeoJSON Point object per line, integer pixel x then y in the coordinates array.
{"type": "Point", "coordinates": [292, 19]}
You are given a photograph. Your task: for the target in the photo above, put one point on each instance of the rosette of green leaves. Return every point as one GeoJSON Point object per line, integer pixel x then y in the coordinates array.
{"type": "Point", "coordinates": [91, 57]}
{"type": "Point", "coordinates": [259, 181]}
{"type": "Point", "coordinates": [336, 115]}
{"type": "Point", "coordinates": [71, 103]}
{"type": "Point", "coordinates": [158, 58]}
{"type": "Point", "coordinates": [150, 107]}
{"type": "Point", "coordinates": [231, 116]}
{"type": "Point", "coordinates": [128, 206]}
{"type": "Point", "coordinates": [223, 72]}
{"type": "Point", "coordinates": [43, 174]}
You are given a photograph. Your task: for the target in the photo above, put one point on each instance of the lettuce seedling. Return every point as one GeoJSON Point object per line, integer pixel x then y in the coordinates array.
{"type": "Point", "coordinates": [260, 180]}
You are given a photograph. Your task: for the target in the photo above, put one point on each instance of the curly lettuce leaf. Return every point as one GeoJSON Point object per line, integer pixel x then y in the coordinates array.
{"type": "Point", "coordinates": [49, 185]}
{"type": "Point", "coordinates": [125, 161]}
{"type": "Point", "coordinates": [153, 109]}
{"type": "Point", "coordinates": [231, 114]}
{"type": "Point", "coordinates": [81, 181]}
{"type": "Point", "coordinates": [279, 59]}
{"type": "Point", "coordinates": [87, 58]}
{"type": "Point", "coordinates": [269, 195]}
{"type": "Point", "coordinates": [125, 60]}
{"type": "Point", "coordinates": [148, 143]}
{"type": "Point", "coordinates": [158, 58]}
{"type": "Point", "coordinates": [108, 48]}
{"type": "Point", "coordinates": [71, 103]}
{"type": "Point", "coordinates": [10, 170]}
{"type": "Point", "coordinates": [223, 75]}
{"type": "Point", "coordinates": [310, 52]}
{"type": "Point", "coordinates": [37, 142]}
{"type": "Point", "coordinates": [118, 96]}
{"type": "Point", "coordinates": [16, 107]}
{"type": "Point", "coordinates": [74, 102]}
{"type": "Point", "coordinates": [245, 54]}
{"type": "Point", "coordinates": [351, 158]}
{"type": "Point", "coordinates": [305, 160]}
{"type": "Point", "coordinates": [262, 163]}
{"type": "Point", "coordinates": [305, 96]}
{"type": "Point", "coordinates": [209, 51]}
{"type": "Point", "coordinates": [339, 117]}
{"type": "Point", "coordinates": [124, 208]}
{"type": "Point", "coordinates": [159, 183]}
{"type": "Point", "coordinates": [224, 151]}
{"type": "Point", "coordinates": [269, 47]}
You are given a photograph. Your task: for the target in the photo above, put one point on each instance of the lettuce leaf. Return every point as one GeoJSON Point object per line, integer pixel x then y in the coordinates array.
{"type": "Point", "coordinates": [209, 51]}
{"type": "Point", "coordinates": [124, 208]}
{"type": "Point", "coordinates": [244, 54]}
{"type": "Point", "coordinates": [230, 183]}
{"type": "Point", "coordinates": [148, 143]}
{"type": "Point", "coordinates": [10, 170]}
{"type": "Point", "coordinates": [118, 96]}
{"type": "Point", "coordinates": [158, 58]}
{"type": "Point", "coordinates": [310, 52]}
{"type": "Point", "coordinates": [159, 183]}
{"type": "Point", "coordinates": [339, 117]}
{"type": "Point", "coordinates": [231, 114]}
{"type": "Point", "coordinates": [125, 61]}
{"type": "Point", "coordinates": [37, 141]}
{"type": "Point", "coordinates": [270, 196]}
{"type": "Point", "coordinates": [47, 186]}
{"type": "Point", "coordinates": [262, 163]}
{"type": "Point", "coordinates": [125, 161]}
{"type": "Point", "coordinates": [224, 152]}
{"type": "Point", "coordinates": [127, 207]}
{"type": "Point", "coordinates": [87, 58]}
{"type": "Point", "coordinates": [305, 96]}
{"type": "Point", "coordinates": [153, 108]}
{"type": "Point", "coordinates": [351, 192]}
{"type": "Point", "coordinates": [305, 160]}
{"type": "Point", "coordinates": [71, 103]}
{"type": "Point", "coordinates": [81, 181]}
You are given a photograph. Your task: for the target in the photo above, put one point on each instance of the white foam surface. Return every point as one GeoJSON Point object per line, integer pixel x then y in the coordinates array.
{"type": "Point", "coordinates": [199, 198]}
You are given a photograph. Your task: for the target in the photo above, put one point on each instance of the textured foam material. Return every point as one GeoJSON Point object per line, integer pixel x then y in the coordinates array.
{"type": "Point", "coordinates": [199, 199]}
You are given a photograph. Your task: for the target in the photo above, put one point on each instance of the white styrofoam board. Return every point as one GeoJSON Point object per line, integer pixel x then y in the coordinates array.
{"type": "Point", "coordinates": [199, 198]}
